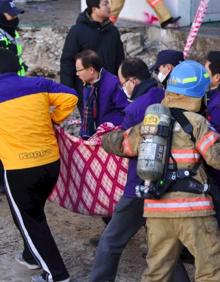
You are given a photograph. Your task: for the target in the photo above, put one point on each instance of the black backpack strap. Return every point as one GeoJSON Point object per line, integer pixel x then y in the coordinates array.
{"type": "Point", "coordinates": [183, 121]}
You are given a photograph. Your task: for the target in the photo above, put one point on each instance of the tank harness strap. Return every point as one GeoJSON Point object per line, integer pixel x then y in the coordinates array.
{"type": "Point", "coordinates": [183, 121]}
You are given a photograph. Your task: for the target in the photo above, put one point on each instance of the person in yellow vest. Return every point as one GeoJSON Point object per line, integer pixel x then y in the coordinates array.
{"type": "Point", "coordinates": [179, 206]}
{"type": "Point", "coordinates": [9, 36]}
{"type": "Point", "coordinates": [10, 39]}
{"type": "Point", "coordinates": [158, 6]}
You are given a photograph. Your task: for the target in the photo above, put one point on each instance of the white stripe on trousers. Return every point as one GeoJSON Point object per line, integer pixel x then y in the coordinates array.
{"type": "Point", "coordinates": [24, 230]}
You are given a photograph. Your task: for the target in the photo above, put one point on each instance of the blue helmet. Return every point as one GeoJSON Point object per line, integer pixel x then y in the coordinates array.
{"type": "Point", "coordinates": [189, 78]}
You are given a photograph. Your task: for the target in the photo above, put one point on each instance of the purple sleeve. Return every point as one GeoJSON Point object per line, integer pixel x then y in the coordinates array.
{"type": "Point", "coordinates": [129, 120]}
{"type": "Point", "coordinates": [54, 87]}
{"type": "Point", "coordinates": [214, 118]}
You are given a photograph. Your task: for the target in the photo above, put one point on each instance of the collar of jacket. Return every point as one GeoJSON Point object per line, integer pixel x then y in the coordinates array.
{"type": "Point", "coordinates": [213, 92]}
{"type": "Point", "coordinates": [173, 100]}
{"type": "Point", "coordinates": [97, 82]}
{"type": "Point", "coordinates": [143, 87]}
{"type": "Point", "coordinates": [85, 18]}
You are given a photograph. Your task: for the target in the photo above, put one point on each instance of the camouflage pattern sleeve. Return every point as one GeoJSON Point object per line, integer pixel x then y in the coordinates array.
{"type": "Point", "coordinates": [112, 142]}
{"type": "Point", "coordinates": [124, 143]}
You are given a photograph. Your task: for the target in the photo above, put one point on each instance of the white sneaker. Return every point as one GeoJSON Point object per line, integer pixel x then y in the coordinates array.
{"type": "Point", "coordinates": [44, 278]}
{"type": "Point", "coordinates": [19, 258]}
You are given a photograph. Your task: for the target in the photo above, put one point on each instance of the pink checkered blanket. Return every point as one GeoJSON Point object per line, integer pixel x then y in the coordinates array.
{"type": "Point", "coordinates": [91, 181]}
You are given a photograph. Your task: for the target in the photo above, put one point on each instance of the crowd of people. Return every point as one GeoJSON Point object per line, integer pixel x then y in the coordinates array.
{"type": "Point", "coordinates": [107, 87]}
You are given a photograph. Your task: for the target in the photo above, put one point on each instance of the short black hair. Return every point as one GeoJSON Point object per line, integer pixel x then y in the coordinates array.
{"type": "Point", "coordinates": [214, 58]}
{"type": "Point", "coordinates": [92, 3]}
{"type": "Point", "coordinates": [135, 67]}
{"type": "Point", "coordinates": [9, 62]}
{"type": "Point", "coordinates": [90, 58]}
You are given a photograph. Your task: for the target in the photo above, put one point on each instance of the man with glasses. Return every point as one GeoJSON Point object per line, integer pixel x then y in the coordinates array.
{"type": "Point", "coordinates": [103, 99]}
{"type": "Point", "coordinates": [93, 30]}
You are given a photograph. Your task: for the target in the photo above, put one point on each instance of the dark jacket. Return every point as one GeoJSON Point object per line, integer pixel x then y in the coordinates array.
{"type": "Point", "coordinates": [146, 93]}
{"type": "Point", "coordinates": [88, 34]}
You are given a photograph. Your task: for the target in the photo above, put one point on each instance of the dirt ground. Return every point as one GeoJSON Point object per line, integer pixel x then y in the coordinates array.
{"type": "Point", "coordinates": [72, 231]}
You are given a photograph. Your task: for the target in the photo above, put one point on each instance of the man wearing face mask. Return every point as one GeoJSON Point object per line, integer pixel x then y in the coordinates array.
{"type": "Point", "coordinates": [166, 61]}
{"type": "Point", "coordinates": [9, 36]}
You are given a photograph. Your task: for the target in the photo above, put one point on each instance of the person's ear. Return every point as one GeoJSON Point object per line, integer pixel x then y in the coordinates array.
{"type": "Point", "coordinates": [91, 70]}
{"type": "Point", "coordinates": [217, 77]}
{"type": "Point", "coordinates": [170, 67]}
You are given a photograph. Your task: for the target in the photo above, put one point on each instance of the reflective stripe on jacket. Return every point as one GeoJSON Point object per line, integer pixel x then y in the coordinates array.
{"type": "Point", "coordinates": [9, 40]}
{"type": "Point", "coordinates": [186, 153]}
{"type": "Point", "coordinates": [183, 205]}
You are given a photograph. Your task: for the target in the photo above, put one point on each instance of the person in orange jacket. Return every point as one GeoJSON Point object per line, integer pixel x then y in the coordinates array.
{"type": "Point", "coordinates": [158, 6]}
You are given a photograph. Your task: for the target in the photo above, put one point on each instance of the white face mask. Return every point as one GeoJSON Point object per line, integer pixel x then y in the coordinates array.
{"type": "Point", "coordinates": [161, 76]}
{"type": "Point", "coordinates": [126, 92]}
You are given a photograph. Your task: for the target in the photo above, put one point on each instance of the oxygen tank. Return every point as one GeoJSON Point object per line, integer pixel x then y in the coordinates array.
{"type": "Point", "coordinates": [153, 147]}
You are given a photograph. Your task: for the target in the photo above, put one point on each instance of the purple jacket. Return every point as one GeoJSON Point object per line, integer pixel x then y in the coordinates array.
{"type": "Point", "coordinates": [213, 108]}
{"type": "Point", "coordinates": [111, 99]}
{"type": "Point", "coordinates": [213, 115]}
{"type": "Point", "coordinates": [134, 114]}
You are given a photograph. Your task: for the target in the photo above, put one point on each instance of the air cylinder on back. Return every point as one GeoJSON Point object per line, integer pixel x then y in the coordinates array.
{"type": "Point", "coordinates": [153, 147]}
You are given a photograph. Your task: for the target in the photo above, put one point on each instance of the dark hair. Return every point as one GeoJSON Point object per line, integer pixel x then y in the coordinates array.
{"type": "Point", "coordinates": [92, 3]}
{"type": "Point", "coordinates": [9, 62]}
{"type": "Point", "coordinates": [135, 67]}
{"type": "Point", "coordinates": [214, 58]}
{"type": "Point", "coordinates": [90, 58]}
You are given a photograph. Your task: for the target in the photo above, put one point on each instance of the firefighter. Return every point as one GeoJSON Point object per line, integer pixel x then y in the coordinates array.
{"type": "Point", "coordinates": [159, 7]}
{"type": "Point", "coordinates": [184, 214]}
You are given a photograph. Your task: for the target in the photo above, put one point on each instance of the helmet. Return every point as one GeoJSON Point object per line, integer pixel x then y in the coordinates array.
{"type": "Point", "coordinates": [189, 78]}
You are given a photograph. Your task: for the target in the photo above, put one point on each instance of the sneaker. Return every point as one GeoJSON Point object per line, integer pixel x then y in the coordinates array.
{"type": "Point", "coordinates": [19, 258]}
{"type": "Point", "coordinates": [44, 278]}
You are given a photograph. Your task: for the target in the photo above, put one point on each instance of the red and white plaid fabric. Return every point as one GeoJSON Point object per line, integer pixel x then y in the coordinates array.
{"type": "Point", "coordinates": [91, 181]}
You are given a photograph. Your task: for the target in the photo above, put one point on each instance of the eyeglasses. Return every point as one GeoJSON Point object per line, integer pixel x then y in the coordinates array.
{"type": "Point", "coordinates": [81, 69]}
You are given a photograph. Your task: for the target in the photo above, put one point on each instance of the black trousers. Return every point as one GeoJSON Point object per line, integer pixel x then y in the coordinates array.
{"type": "Point", "coordinates": [1, 174]}
{"type": "Point", "coordinates": [27, 191]}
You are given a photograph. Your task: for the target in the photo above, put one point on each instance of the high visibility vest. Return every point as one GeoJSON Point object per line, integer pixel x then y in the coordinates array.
{"type": "Point", "coordinates": [9, 40]}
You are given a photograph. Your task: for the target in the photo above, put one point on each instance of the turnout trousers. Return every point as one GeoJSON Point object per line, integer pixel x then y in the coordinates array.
{"type": "Point", "coordinates": [126, 221]}
{"type": "Point", "coordinates": [27, 191]}
{"type": "Point", "coordinates": [200, 235]}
